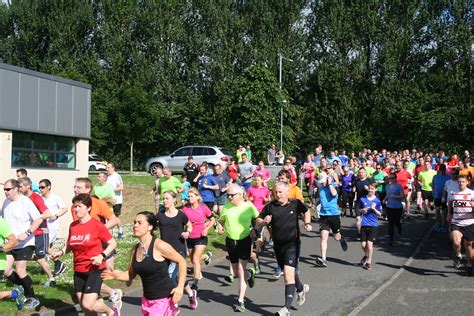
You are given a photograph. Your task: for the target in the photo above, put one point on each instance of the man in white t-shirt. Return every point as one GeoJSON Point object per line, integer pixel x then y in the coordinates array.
{"type": "Point", "coordinates": [115, 181]}
{"type": "Point", "coordinates": [23, 218]}
{"type": "Point", "coordinates": [461, 216]}
{"type": "Point", "coordinates": [57, 208]}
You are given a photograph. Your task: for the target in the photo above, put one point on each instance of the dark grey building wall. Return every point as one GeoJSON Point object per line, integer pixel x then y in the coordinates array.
{"type": "Point", "coordinates": [40, 103]}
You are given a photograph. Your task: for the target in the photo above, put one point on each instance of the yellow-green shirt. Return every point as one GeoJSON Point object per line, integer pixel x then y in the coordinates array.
{"type": "Point", "coordinates": [238, 219]}
{"type": "Point", "coordinates": [426, 179]}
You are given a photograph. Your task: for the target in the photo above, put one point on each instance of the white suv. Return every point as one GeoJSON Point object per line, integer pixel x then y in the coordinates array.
{"type": "Point", "coordinates": [96, 163]}
{"type": "Point", "coordinates": [176, 161]}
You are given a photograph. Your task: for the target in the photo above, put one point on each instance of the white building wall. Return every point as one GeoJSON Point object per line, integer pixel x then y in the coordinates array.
{"type": "Point", "coordinates": [62, 180]}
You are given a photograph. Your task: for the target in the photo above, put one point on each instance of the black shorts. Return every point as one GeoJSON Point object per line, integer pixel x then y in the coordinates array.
{"type": "Point", "coordinates": [288, 254]}
{"type": "Point", "coordinates": [368, 233]}
{"type": "Point", "coordinates": [330, 223]}
{"type": "Point", "coordinates": [238, 249]}
{"type": "Point", "coordinates": [117, 209]}
{"type": "Point", "coordinates": [438, 203]}
{"type": "Point", "coordinates": [466, 231]}
{"type": "Point", "coordinates": [210, 205]}
{"type": "Point", "coordinates": [427, 195]}
{"type": "Point", "coordinates": [23, 254]}
{"type": "Point", "coordinates": [193, 242]}
{"type": "Point", "coordinates": [88, 282]}
{"type": "Point", "coordinates": [418, 187]}
{"type": "Point", "coordinates": [41, 245]}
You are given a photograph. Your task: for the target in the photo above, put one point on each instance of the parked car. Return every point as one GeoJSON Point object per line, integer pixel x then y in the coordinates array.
{"type": "Point", "coordinates": [96, 163]}
{"type": "Point", "coordinates": [176, 160]}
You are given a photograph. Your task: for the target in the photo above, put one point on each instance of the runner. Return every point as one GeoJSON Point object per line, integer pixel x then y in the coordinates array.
{"type": "Point", "coordinates": [116, 182]}
{"type": "Point", "coordinates": [461, 217]}
{"type": "Point", "coordinates": [57, 209]}
{"type": "Point", "coordinates": [310, 170]}
{"type": "Point", "coordinates": [233, 170]}
{"type": "Point", "coordinates": [282, 214]}
{"type": "Point", "coordinates": [237, 217]}
{"type": "Point", "coordinates": [42, 232]}
{"type": "Point", "coordinates": [330, 219]}
{"type": "Point", "coordinates": [186, 187]}
{"type": "Point", "coordinates": [394, 207]}
{"type": "Point", "coordinates": [426, 180]}
{"type": "Point", "coordinates": [439, 180]}
{"type": "Point", "coordinates": [262, 171]}
{"type": "Point", "coordinates": [347, 191]}
{"type": "Point", "coordinates": [149, 260]}
{"type": "Point", "coordinates": [168, 183]}
{"type": "Point", "coordinates": [361, 187]}
{"type": "Point", "coordinates": [8, 242]}
{"type": "Point", "coordinates": [23, 218]}
{"type": "Point", "coordinates": [191, 170]}
{"type": "Point", "coordinates": [246, 170]}
{"type": "Point", "coordinates": [371, 209]}
{"type": "Point", "coordinates": [175, 228]}
{"type": "Point", "coordinates": [202, 220]}
{"type": "Point", "coordinates": [86, 239]}
{"type": "Point", "coordinates": [223, 181]}
{"type": "Point", "coordinates": [207, 184]}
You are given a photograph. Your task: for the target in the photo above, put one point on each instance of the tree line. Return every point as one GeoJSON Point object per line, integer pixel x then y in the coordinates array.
{"type": "Point", "coordinates": [383, 74]}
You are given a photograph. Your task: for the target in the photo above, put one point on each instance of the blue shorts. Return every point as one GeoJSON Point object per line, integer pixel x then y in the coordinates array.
{"type": "Point", "coordinates": [221, 200]}
{"type": "Point", "coordinates": [245, 185]}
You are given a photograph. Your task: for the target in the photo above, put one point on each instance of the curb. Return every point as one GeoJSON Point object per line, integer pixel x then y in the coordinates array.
{"type": "Point", "coordinates": [395, 276]}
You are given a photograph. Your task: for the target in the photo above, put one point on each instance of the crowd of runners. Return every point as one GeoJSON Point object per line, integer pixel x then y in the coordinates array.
{"type": "Point", "coordinates": [240, 200]}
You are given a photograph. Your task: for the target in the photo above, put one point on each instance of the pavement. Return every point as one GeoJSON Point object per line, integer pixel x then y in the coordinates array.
{"type": "Point", "coordinates": [414, 277]}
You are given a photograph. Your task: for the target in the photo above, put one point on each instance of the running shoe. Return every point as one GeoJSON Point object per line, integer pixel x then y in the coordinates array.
{"type": "Point", "coordinates": [50, 282]}
{"type": "Point", "coordinates": [320, 262]}
{"type": "Point", "coordinates": [240, 307]}
{"type": "Point", "coordinates": [251, 279]}
{"type": "Point", "coordinates": [208, 259]}
{"type": "Point", "coordinates": [343, 243]}
{"type": "Point", "coordinates": [283, 312]}
{"type": "Point", "coordinates": [31, 303]}
{"type": "Point", "coordinates": [301, 296]}
{"type": "Point", "coordinates": [116, 311]}
{"type": "Point", "coordinates": [278, 273]}
{"type": "Point", "coordinates": [194, 287]}
{"type": "Point", "coordinates": [120, 235]}
{"type": "Point", "coordinates": [116, 298]}
{"type": "Point", "coordinates": [363, 260]}
{"type": "Point", "coordinates": [368, 266]}
{"type": "Point", "coordinates": [258, 269]}
{"type": "Point", "coordinates": [59, 268]}
{"type": "Point", "coordinates": [230, 278]}
{"type": "Point", "coordinates": [20, 297]}
{"type": "Point", "coordinates": [193, 302]}
{"type": "Point", "coordinates": [457, 263]}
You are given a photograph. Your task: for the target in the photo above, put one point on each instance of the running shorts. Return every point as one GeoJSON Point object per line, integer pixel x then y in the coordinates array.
{"type": "Point", "coordinates": [238, 249]}
{"type": "Point", "coordinates": [288, 254]}
{"type": "Point", "coordinates": [330, 223]}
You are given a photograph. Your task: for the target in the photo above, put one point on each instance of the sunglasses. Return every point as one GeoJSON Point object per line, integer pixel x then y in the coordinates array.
{"type": "Point", "coordinates": [7, 189]}
{"type": "Point", "coordinates": [42, 187]}
{"type": "Point", "coordinates": [231, 195]}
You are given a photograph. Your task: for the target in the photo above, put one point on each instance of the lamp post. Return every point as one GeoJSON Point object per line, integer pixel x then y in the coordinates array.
{"type": "Point", "coordinates": [280, 66]}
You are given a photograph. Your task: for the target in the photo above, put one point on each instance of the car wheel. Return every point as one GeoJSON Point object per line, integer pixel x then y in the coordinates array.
{"type": "Point", "coordinates": [92, 168]}
{"type": "Point", "coordinates": [154, 166]}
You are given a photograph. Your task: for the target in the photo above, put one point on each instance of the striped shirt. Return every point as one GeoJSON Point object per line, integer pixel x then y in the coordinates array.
{"type": "Point", "coordinates": [462, 207]}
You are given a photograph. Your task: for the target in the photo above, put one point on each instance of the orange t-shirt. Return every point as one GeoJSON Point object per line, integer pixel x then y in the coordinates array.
{"type": "Point", "coordinates": [295, 193]}
{"type": "Point", "coordinates": [100, 211]}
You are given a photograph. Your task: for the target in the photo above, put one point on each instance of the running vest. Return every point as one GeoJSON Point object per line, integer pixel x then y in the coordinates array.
{"type": "Point", "coordinates": [462, 208]}
{"type": "Point", "coordinates": [154, 274]}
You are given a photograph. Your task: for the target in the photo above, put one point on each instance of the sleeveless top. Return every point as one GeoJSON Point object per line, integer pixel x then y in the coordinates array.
{"type": "Point", "coordinates": [154, 274]}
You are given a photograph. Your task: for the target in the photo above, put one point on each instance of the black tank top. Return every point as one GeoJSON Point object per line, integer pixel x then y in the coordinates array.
{"type": "Point", "coordinates": [154, 274]}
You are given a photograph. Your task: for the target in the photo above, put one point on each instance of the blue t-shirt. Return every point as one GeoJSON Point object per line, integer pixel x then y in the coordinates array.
{"type": "Point", "coordinates": [207, 195]}
{"type": "Point", "coordinates": [347, 181]}
{"type": "Point", "coordinates": [222, 180]}
{"type": "Point", "coordinates": [438, 184]}
{"type": "Point", "coordinates": [329, 206]}
{"type": "Point", "coordinates": [391, 191]}
{"type": "Point", "coordinates": [184, 194]}
{"type": "Point", "coordinates": [370, 218]}
{"type": "Point", "coordinates": [344, 159]}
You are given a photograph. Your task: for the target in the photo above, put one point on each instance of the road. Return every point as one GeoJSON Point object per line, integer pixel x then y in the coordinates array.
{"type": "Point", "coordinates": [343, 287]}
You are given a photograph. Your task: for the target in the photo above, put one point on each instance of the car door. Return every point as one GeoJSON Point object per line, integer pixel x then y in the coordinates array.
{"type": "Point", "coordinates": [210, 156]}
{"type": "Point", "coordinates": [198, 155]}
{"type": "Point", "coordinates": [179, 158]}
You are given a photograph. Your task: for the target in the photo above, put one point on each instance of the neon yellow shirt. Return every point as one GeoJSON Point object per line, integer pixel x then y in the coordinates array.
{"type": "Point", "coordinates": [238, 219]}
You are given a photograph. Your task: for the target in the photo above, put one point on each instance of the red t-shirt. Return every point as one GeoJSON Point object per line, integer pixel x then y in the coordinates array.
{"type": "Point", "coordinates": [416, 172]}
{"type": "Point", "coordinates": [39, 203]}
{"type": "Point", "coordinates": [232, 171]}
{"type": "Point", "coordinates": [403, 178]}
{"type": "Point", "coordinates": [85, 241]}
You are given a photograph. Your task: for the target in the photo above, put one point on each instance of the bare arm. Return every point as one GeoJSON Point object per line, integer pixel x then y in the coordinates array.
{"type": "Point", "coordinates": [11, 242]}
{"type": "Point", "coordinates": [111, 222]}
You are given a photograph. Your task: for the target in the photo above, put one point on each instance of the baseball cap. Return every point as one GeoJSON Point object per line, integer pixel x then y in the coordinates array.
{"type": "Point", "coordinates": [322, 178]}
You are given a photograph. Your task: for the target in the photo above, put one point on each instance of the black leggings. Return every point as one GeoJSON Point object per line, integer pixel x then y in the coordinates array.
{"type": "Point", "coordinates": [347, 197]}
{"type": "Point", "coordinates": [394, 215]}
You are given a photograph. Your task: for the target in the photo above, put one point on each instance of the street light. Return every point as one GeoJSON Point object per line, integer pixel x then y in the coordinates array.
{"type": "Point", "coordinates": [280, 62]}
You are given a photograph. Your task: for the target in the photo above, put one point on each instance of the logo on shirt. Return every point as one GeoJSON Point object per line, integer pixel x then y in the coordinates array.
{"type": "Point", "coordinates": [79, 239]}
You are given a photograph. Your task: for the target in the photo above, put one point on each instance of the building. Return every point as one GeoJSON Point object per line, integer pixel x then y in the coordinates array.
{"type": "Point", "coordinates": [44, 128]}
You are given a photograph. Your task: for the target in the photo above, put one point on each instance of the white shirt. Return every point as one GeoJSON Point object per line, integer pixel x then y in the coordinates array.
{"type": "Point", "coordinates": [451, 186]}
{"type": "Point", "coordinates": [19, 215]}
{"type": "Point", "coordinates": [462, 208]}
{"type": "Point", "coordinates": [115, 180]}
{"type": "Point", "coordinates": [54, 204]}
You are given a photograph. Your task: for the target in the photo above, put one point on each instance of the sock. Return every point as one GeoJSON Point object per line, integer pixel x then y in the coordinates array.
{"type": "Point", "coordinates": [289, 295]}
{"type": "Point", "coordinates": [14, 294]}
{"type": "Point", "coordinates": [57, 263]}
{"type": "Point", "coordinates": [323, 257]}
{"type": "Point", "coordinates": [120, 230]}
{"type": "Point", "coordinates": [27, 284]}
{"type": "Point", "coordinates": [298, 284]}
{"type": "Point", "coordinates": [14, 278]}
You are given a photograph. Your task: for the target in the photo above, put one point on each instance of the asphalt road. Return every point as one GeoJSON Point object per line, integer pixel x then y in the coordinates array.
{"type": "Point", "coordinates": [343, 286]}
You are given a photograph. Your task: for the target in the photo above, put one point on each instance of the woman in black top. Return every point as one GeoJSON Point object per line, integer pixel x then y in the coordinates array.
{"type": "Point", "coordinates": [149, 260]}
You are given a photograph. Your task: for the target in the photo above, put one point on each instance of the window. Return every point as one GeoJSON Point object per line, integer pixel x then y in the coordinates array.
{"type": "Point", "coordinates": [186, 151]}
{"type": "Point", "coordinates": [198, 151]}
{"type": "Point", "coordinates": [43, 151]}
{"type": "Point", "coordinates": [209, 151]}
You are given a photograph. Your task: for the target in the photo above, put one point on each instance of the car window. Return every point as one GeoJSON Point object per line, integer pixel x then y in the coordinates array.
{"type": "Point", "coordinates": [94, 158]}
{"type": "Point", "coordinates": [225, 152]}
{"type": "Point", "coordinates": [209, 151]}
{"type": "Point", "coordinates": [198, 151]}
{"type": "Point", "coordinates": [186, 151]}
